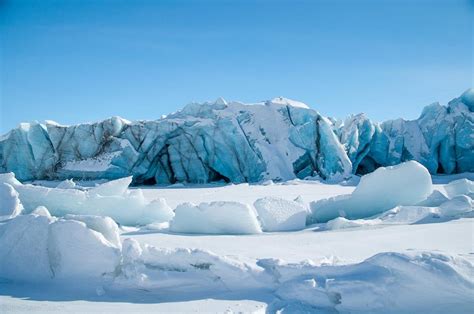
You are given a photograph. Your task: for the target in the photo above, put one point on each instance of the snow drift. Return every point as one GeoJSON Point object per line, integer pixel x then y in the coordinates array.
{"type": "Point", "coordinates": [113, 199]}
{"type": "Point", "coordinates": [279, 139]}
{"type": "Point", "coordinates": [405, 184]}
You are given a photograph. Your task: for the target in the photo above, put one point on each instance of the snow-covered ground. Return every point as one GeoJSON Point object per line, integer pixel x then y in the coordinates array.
{"type": "Point", "coordinates": [412, 258]}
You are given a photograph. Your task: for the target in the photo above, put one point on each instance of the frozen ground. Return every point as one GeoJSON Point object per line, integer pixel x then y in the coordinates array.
{"type": "Point", "coordinates": [242, 274]}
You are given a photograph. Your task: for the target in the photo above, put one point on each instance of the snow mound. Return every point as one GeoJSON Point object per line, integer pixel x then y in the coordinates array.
{"type": "Point", "coordinates": [405, 184]}
{"type": "Point", "coordinates": [277, 214]}
{"type": "Point", "coordinates": [215, 218]}
{"type": "Point", "coordinates": [10, 205]}
{"type": "Point", "coordinates": [112, 199]}
{"type": "Point", "coordinates": [459, 187]}
{"type": "Point", "coordinates": [343, 223]}
{"type": "Point", "coordinates": [408, 214]}
{"type": "Point", "coordinates": [435, 199]}
{"type": "Point", "coordinates": [41, 247]}
{"type": "Point", "coordinates": [457, 205]}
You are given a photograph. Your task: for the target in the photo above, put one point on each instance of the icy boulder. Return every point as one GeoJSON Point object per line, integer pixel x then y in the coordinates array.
{"type": "Point", "coordinates": [39, 247]}
{"type": "Point", "coordinates": [459, 187]}
{"type": "Point", "coordinates": [277, 214]}
{"type": "Point", "coordinates": [10, 205]}
{"type": "Point", "coordinates": [405, 184]}
{"type": "Point", "coordinates": [215, 218]}
{"type": "Point", "coordinates": [79, 252]}
{"type": "Point", "coordinates": [112, 199]}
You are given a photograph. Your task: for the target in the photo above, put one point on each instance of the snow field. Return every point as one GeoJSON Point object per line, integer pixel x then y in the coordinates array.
{"type": "Point", "coordinates": [44, 248]}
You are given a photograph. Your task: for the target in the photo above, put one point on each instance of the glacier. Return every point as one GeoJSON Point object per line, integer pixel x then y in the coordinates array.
{"type": "Point", "coordinates": [278, 140]}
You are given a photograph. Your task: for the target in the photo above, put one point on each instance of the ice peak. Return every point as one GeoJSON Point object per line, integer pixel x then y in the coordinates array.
{"type": "Point", "coordinates": [220, 101]}
{"type": "Point", "coordinates": [468, 98]}
{"type": "Point", "coordinates": [282, 101]}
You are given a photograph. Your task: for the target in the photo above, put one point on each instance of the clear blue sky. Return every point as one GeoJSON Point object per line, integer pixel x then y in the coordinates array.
{"type": "Point", "coordinates": [77, 61]}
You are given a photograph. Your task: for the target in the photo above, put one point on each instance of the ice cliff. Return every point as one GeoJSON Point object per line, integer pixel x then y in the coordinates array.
{"type": "Point", "coordinates": [278, 139]}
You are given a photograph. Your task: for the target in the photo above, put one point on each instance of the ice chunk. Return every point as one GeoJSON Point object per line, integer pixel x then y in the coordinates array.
{"type": "Point", "coordinates": [66, 184]}
{"type": "Point", "coordinates": [343, 223]}
{"type": "Point", "coordinates": [405, 184]}
{"type": "Point", "coordinates": [24, 243]}
{"type": "Point", "coordinates": [38, 247]}
{"type": "Point", "coordinates": [457, 205]}
{"type": "Point", "coordinates": [10, 205]}
{"type": "Point", "coordinates": [113, 199]}
{"type": "Point", "coordinates": [435, 199]}
{"type": "Point", "coordinates": [42, 211]}
{"type": "Point", "coordinates": [79, 252]}
{"type": "Point", "coordinates": [408, 214]}
{"type": "Point", "coordinates": [104, 225]}
{"type": "Point", "coordinates": [459, 187]}
{"type": "Point", "coordinates": [215, 218]}
{"type": "Point", "coordinates": [112, 188]}
{"type": "Point", "coordinates": [277, 214]}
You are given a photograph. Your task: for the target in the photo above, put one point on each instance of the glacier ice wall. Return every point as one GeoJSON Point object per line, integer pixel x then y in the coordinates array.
{"type": "Point", "coordinates": [278, 139]}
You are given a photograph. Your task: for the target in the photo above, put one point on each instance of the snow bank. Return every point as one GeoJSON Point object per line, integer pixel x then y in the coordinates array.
{"type": "Point", "coordinates": [112, 199]}
{"type": "Point", "coordinates": [40, 247]}
{"type": "Point", "coordinates": [215, 218]}
{"type": "Point", "coordinates": [188, 270]}
{"type": "Point", "coordinates": [459, 187]}
{"type": "Point", "coordinates": [416, 282]}
{"type": "Point", "coordinates": [404, 184]}
{"type": "Point", "coordinates": [277, 214]}
{"type": "Point", "coordinates": [10, 205]}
